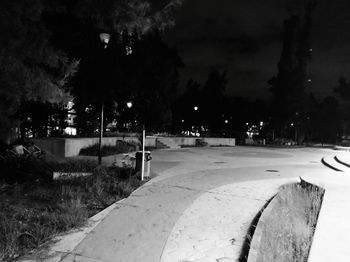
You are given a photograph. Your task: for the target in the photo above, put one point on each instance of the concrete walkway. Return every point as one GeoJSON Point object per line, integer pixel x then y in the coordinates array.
{"type": "Point", "coordinates": [199, 207]}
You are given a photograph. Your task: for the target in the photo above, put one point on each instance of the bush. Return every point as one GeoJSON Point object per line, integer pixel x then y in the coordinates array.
{"type": "Point", "coordinates": [120, 147]}
{"type": "Point", "coordinates": [31, 213]}
{"type": "Point", "coordinates": [25, 168]}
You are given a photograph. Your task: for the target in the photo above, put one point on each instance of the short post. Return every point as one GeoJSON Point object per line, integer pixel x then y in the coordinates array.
{"type": "Point", "coordinates": [101, 136]}
{"type": "Point", "coordinates": [143, 153]}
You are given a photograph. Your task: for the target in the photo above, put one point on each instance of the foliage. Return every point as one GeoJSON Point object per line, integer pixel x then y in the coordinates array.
{"type": "Point", "coordinates": [148, 77]}
{"type": "Point", "coordinates": [30, 67]}
{"type": "Point", "coordinates": [218, 114]}
{"type": "Point", "coordinates": [33, 211]}
{"type": "Point", "coordinates": [43, 40]}
{"type": "Point", "coordinates": [25, 168]}
{"type": "Point", "coordinates": [343, 88]}
{"type": "Point", "coordinates": [132, 15]}
{"type": "Point", "coordinates": [325, 121]}
{"type": "Point", "coordinates": [288, 88]}
{"type": "Point", "coordinates": [107, 150]}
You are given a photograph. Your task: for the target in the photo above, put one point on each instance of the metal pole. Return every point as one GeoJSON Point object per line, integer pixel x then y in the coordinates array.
{"type": "Point", "coordinates": [101, 136]}
{"type": "Point", "coordinates": [143, 154]}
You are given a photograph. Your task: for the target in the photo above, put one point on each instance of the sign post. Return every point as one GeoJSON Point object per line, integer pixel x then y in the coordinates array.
{"type": "Point", "coordinates": [143, 153]}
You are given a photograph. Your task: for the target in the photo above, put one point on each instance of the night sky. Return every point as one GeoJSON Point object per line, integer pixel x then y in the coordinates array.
{"type": "Point", "coordinates": [245, 38]}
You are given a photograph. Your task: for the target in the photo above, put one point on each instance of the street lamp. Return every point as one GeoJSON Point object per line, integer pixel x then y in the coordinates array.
{"type": "Point", "coordinates": [104, 37]}
{"type": "Point", "coordinates": [129, 104]}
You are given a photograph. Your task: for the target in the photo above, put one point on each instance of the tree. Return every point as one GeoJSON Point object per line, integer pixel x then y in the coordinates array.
{"type": "Point", "coordinates": [326, 121]}
{"type": "Point", "coordinates": [185, 117]}
{"type": "Point", "coordinates": [213, 95]}
{"type": "Point", "coordinates": [148, 77]}
{"type": "Point", "coordinates": [30, 67]}
{"type": "Point", "coordinates": [343, 90]}
{"type": "Point", "coordinates": [34, 33]}
{"type": "Point", "coordinates": [289, 87]}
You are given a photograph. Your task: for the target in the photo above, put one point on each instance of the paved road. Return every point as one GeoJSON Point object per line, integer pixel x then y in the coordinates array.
{"type": "Point", "coordinates": [162, 220]}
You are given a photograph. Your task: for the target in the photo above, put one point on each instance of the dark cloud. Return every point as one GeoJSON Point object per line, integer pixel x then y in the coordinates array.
{"type": "Point", "coordinates": [245, 38]}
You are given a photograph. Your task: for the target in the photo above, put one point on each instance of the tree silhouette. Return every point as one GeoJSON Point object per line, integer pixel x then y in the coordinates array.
{"type": "Point", "coordinates": [289, 87]}
{"type": "Point", "coordinates": [30, 68]}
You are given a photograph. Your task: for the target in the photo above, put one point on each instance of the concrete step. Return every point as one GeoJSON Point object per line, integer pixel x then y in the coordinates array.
{"type": "Point", "coordinates": [344, 160]}
{"type": "Point", "coordinates": [169, 142]}
{"type": "Point", "coordinates": [161, 145]}
{"type": "Point", "coordinates": [333, 164]}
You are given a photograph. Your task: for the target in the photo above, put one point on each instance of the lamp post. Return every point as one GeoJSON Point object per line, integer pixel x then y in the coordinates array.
{"type": "Point", "coordinates": [104, 37]}
{"type": "Point", "coordinates": [196, 124]}
{"type": "Point", "coordinates": [128, 124]}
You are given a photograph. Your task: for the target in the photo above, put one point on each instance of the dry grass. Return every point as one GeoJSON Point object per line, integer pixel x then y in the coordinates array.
{"type": "Point", "coordinates": [31, 213]}
{"type": "Point", "coordinates": [288, 232]}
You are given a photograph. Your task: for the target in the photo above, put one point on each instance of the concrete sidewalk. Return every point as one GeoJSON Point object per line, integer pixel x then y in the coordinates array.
{"type": "Point", "coordinates": [198, 208]}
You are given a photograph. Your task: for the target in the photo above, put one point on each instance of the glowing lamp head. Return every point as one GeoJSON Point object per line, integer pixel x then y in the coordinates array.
{"type": "Point", "coordinates": [129, 104]}
{"type": "Point", "coordinates": [195, 108]}
{"type": "Point", "coordinates": [104, 37]}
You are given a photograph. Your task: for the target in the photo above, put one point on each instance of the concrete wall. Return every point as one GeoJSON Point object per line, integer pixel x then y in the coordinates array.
{"type": "Point", "coordinates": [67, 147]}
{"type": "Point", "coordinates": [191, 141]}
{"type": "Point", "coordinates": [151, 141]}
{"type": "Point", "coordinates": [73, 145]}
{"type": "Point", "coordinates": [53, 146]}
{"type": "Point", "coordinates": [218, 141]}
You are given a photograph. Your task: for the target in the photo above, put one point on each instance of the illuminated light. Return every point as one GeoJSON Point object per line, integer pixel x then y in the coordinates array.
{"type": "Point", "coordinates": [309, 80]}
{"type": "Point", "coordinates": [247, 123]}
{"type": "Point", "coordinates": [310, 49]}
{"type": "Point", "coordinates": [128, 50]}
{"type": "Point", "coordinates": [72, 131]}
{"type": "Point", "coordinates": [261, 123]}
{"type": "Point", "coordinates": [129, 104]}
{"type": "Point", "coordinates": [195, 108]}
{"type": "Point", "coordinates": [104, 37]}
{"type": "Point", "coordinates": [182, 120]}
{"type": "Point", "coordinates": [226, 121]}
{"type": "Point", "coordinates": [291, 124]}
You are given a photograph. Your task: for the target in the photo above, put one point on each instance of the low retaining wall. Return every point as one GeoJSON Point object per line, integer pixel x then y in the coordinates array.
{"type": "Point", "coordinates": [191, 141]}
{"type": "Point", "coordinates": [67, 147]}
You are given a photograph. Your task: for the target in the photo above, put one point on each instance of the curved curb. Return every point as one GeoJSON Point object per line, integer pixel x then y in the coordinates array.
{"type": "Point", "coordinates": [341, 162]}
{"type": "Point", "coordinates": [330, 166]}
{"type": "Point", "coordinates": [342, 148]}
{"type": "Point", "coordinates": [256, 239]}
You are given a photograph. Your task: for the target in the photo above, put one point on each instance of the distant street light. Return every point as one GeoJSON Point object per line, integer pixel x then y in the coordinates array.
{"type": "Point", "coordinates": [195, 108]}
{"type": "Point", "coordinates": [226, 121]}
{"type": "Point", "coordinates": [129, 104]}
{"type": "Point", "coordinates": [104, 37]}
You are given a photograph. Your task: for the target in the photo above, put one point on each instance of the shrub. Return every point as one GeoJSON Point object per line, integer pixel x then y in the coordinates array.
{"type": "Point", "coordinates": [31, 213]}
{"type": "Point", "coordinates": [107, 150]}
{"type": "Point", "coordinates": [23, 169]}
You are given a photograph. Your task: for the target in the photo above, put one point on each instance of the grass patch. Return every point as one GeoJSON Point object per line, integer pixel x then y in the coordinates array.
{"type": "Point", "coordinates": [107, 150]}
{"type": "Point", "coordinates": [288, 231]}
{"type": "Point", "coordinates": [34, 208]}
